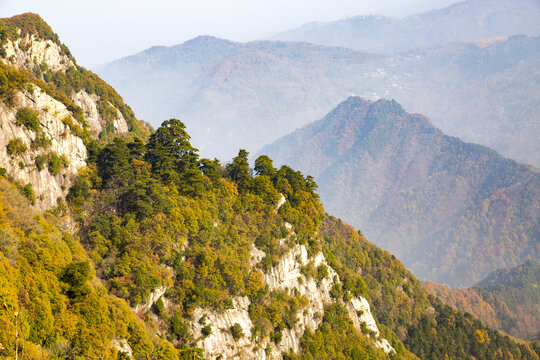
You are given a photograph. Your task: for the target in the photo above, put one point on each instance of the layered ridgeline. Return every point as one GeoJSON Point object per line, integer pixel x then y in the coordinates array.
{"type": "Point", "coordinates": [51, 110]}
{"type": "Point", "coordinates": [470, 19]}
{"type": "Point", "coordinates": [508, 300]}
{"type": "Point", "coordinates": [451, 211]}
{"type": "Point", "coordinates": [177, 257]}
{"type": "Point", "coordinates": [234, 95]}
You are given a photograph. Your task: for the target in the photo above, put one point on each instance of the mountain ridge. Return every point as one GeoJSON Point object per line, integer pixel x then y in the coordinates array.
{"type": "Point", "coordinates": [379, 178]}
{"type": "Point", "coordinates": [507, 299]}
{"type": "Point", "coordinates": [263, 90]}
{"type": "Point", "coordinates": [465, 20]}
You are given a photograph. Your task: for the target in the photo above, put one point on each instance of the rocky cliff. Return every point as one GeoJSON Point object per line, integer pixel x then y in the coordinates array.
{"type": "Point", "coordinates": [45, 58]}
{"type": "Point", "coordinates": [49, 108]}
{"type": "Point", "coordinates": [52, 139]}
{"type": "Point", "coordinates": [219, 342]}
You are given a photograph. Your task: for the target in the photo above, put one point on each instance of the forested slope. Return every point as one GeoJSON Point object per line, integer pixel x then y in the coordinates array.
{"type": "Point", "coordinates": [508, 299]}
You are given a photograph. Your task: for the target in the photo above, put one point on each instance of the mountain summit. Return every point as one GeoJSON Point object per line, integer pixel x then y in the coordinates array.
{"type": "Point", "coordinates": [452, 211]}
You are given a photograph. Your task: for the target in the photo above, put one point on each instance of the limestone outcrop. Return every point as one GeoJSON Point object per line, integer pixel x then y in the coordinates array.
{"type": "Point", "coordinates": [286, 276]}
{"type": "Point", "coordinates": [56, 139]}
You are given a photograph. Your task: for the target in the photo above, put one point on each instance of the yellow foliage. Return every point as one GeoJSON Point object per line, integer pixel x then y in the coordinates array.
{"type": "Point", "coordinates": [479, 336]}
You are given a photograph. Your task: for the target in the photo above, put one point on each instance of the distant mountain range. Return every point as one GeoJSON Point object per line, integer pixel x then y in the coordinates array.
{"type": "Point", "coordinates": [451, 211]}
{"type": "Point", "coordinates": [233, 95]}
{"type": "Point", "coordinates": [508, 300]}
{"type": "Point", "coordinates": [472, 19]}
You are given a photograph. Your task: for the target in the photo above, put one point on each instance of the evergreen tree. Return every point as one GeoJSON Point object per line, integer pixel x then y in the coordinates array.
{"type": "Point", "coordinates": [114, 163]}
{"type": "Point", "coordinates": [264, 166]}
{"type": "Point", "coordinates": [173, 159]}
{"type": "Point", "coordinates": [211, 169]}
{"type": "Point", "coordinates": [239, 172]}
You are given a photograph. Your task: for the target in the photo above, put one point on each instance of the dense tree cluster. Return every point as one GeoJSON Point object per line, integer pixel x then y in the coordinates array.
{"type": "Point", "coordinates": [49, 306]}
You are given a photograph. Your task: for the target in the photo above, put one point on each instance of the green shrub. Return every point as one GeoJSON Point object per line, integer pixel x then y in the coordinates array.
{"type": "Point", "coordinates": [48, 76]}
{"type": "Point", "coordinates": [75, 128]}
{"type": "Point", "coordinates": [159, 308]}
{"type": "Point", "coordinates": [276, 337]}
{"type": "Point", "coordinates": [322, 272]}
{"type": "Point", "coordinates": [41, 141]}
{"type": "Point", "coordinates": [56, 163]}
{"type": "Point", "coordinates": [179, 329]}
{"type": "Point", "coordinates": [77, 274]}
{"type": "Point", "coordinates": [28, 192]}
{"type": "Point", "coordinates": [309, 270]}
{"type": "Point", "coordinates": [236, 331]}
{"type": "Point", "coordinates": [206, 330]}
{"type": "Point", "coordinates": [37, 72]}
{"type": "Point", "coordinates": [3, 172]}
{"type": "Point", "coordinates": [203, 319]}
{"type": "Point", "coordinates": [16, 147]}
{"type": "Point", "coordinates": [336, 291]}
{"type": "Point", "coordinates": [41, 160]}
{"type": "Point", "coordinates": [27, 117]}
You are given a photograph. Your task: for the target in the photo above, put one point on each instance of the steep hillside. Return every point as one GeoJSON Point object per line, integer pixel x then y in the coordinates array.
{"type": "Point", "coordinates": [233, 95]}
{"type": "Point", "coordinates": [51, 110]}
{"type": "Point", "coordinates": [508, 299]}
{"type": "Point", "coordinates": [51, 304]}
{"type": "Point", "coordinates": [465, 20]}
{"type": "Point", "coordinates": [246, 267]}
{"type": "Point", "coordinates": [229, 269]}
{"type": "Point", "coordinates": [451, 211]}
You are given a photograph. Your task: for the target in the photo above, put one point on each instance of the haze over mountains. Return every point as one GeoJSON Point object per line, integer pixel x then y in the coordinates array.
{"type": "Point", "coordinates": [472, 19]}
{"type": "Point", "coordinates": [229, 92]}
{"type": "Point", "coordinates": [451, 211]}
{"type": "Point", "coordinates": [121, 243]}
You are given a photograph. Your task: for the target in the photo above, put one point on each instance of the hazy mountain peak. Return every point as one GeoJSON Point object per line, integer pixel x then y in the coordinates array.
{"type": "Point", "coordinates": [205, 39]}
{"type": "Point", "coordinates": [423, 195]}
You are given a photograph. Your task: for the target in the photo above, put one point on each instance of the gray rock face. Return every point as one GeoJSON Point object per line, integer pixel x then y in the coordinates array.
{"type": "Point", "coordinates": [88, 102]}
{"type": "Point", "coordinates": [22, 168]}
{"type": "Point", "coordinates": [25, 52]}
{"type": "Point", "coordinates": [285, 276]}
{"type": "Point", "coordinates": [96, 123]}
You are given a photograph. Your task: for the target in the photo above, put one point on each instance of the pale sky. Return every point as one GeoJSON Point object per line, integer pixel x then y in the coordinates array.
{"type": "Point", "coordinates": [99, 31]}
